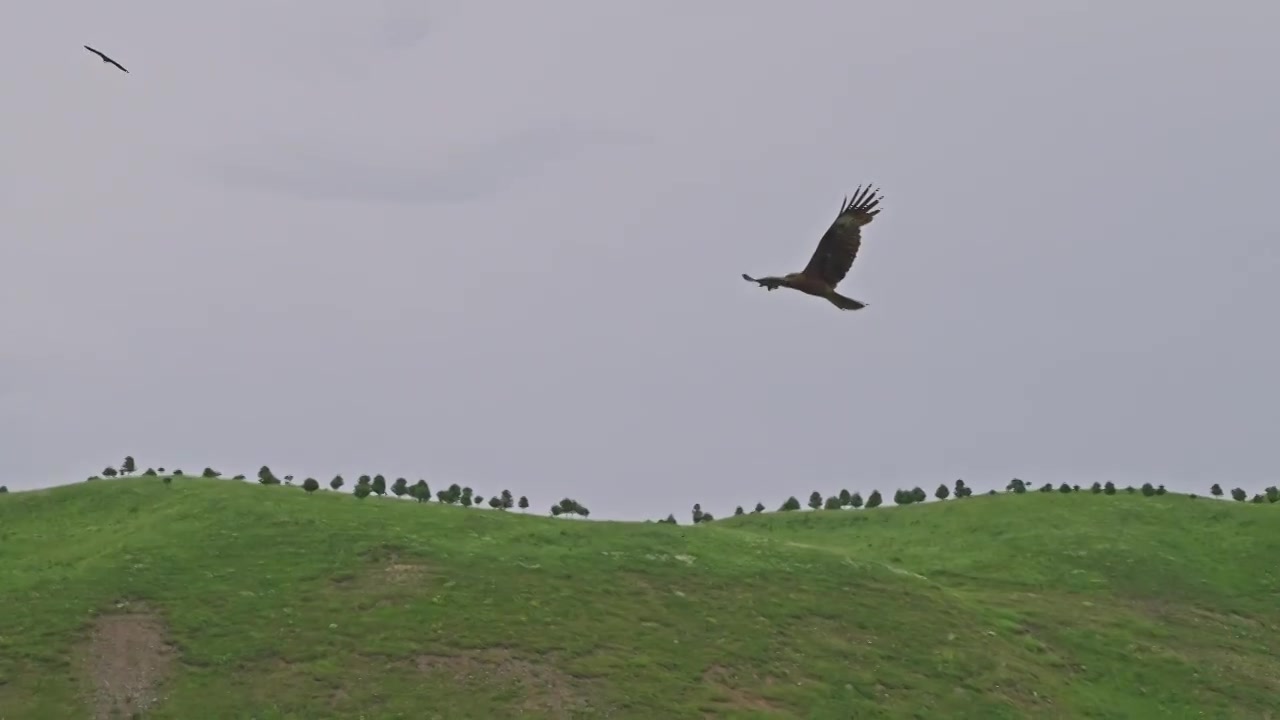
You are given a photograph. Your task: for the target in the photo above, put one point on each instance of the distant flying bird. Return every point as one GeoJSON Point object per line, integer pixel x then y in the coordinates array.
{"type": "Point", "coordinates": [835, 253]}
{"type": "Point", "coordinates": [105, 59]}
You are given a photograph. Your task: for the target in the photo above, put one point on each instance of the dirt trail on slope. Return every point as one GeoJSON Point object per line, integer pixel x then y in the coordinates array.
{"type": "Point", "coordinates": [127, 659]}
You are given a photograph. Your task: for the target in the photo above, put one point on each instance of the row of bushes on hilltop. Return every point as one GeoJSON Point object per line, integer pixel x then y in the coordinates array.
{"type": "Point", "coordinates": [367, 485]}
{"type": "Point", "coordinates": [841, 500]}
{"type": "Point", "coordinates": [456, 495]}
{"type": "Point", "coordinates": [845, 499]}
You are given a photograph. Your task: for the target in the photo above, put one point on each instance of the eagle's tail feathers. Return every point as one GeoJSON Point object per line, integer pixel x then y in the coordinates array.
{"type": "Point", "coordinates": [845, 303]}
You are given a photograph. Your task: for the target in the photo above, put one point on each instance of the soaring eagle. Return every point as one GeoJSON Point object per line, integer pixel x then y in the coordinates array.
{"type": "Point", "coordinates": [835, 253]}
{"type": "Point", "coordinates": [105, 59]}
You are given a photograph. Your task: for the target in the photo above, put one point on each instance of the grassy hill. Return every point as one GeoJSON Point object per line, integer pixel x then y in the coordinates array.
{"type": "Point", "coordinates": [219, 599]}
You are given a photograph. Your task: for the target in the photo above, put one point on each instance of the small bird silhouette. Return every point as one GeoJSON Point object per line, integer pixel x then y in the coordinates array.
{"type": "Point", "coordinates": [105, 59]}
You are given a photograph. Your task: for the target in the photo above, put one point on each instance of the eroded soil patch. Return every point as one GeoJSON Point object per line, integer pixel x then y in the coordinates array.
{"type": "Point", "coordinates": [404, 572]}
{"type": "Point", "coordinates": [727, 686]}
{"type": "Point", "coordinates": [384, 568]}
{"type": "Point", "coordinates": [546, 689]}
{"type": "Point", "coordinates": [127, 659]}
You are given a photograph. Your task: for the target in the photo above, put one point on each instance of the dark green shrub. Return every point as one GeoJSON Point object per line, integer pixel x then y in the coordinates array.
{"type": "Point", "coordinates": [266, 477]}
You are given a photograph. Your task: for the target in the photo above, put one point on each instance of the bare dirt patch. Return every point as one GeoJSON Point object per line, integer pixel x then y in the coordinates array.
{"type": "Point", "coordinates": [127, 659]}
{"type": "Point", "coordinates": [546, 689]}
{"type": "Point", "coordinates": [386, 582]}
{"type": "Point", "coordinates": [384, 572]}
{"type": "Point", "coordinates": [726, 685]}
{"type": "Point", "coordinates": [342, 579]}
{"type": "Point", "coordinates": [404, 572]}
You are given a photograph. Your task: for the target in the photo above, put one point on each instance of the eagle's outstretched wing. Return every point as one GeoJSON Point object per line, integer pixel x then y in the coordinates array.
{"type": "Point", "coordinates": [839, 245]}
{"type": "Point", "coordinates": [104, 57]}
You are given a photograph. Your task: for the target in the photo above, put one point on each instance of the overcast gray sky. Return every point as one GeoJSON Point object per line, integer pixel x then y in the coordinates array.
{"type": "Point", "coordinates": [500, 243]}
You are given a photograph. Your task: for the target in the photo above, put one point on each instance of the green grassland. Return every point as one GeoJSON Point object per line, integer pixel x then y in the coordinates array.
{"type": "Point", "coordinates": [279, 604]}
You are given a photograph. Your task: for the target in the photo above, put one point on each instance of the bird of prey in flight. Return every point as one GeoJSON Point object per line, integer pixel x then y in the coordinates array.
{"type": "Point", "coordinates": [835, 253]}
{"type": "Point", "coordinates": [105, 59]}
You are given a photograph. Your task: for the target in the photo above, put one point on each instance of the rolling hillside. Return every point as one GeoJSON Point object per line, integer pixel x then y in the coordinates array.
{"type": "Point", "coordinates": [220, 599]}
